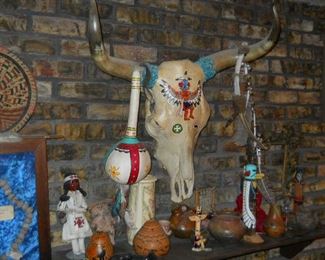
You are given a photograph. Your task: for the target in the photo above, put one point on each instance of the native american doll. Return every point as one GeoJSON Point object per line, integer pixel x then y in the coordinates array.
{"type": "Point", "coordinates": [73, 205]}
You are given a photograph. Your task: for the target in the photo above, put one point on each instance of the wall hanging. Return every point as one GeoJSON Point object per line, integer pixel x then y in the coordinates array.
{"type": "Point", "coordinates": [18, 92]}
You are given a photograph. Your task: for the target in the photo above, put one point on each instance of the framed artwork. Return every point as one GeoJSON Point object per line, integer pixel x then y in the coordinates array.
{"type": "Point", "coordinates": [24, 200]}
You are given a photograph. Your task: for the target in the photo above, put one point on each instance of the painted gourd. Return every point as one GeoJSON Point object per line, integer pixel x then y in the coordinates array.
{"type": "Point", "coordinates": [129, 161]}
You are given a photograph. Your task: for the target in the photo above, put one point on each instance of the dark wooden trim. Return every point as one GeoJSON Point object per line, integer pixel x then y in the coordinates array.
{"type": "Point", "coordinates": [38, 146]}
{"type": "Point", "coordinates": [322, 98]}
{"type": "Point", "coordinates": [292, 250]}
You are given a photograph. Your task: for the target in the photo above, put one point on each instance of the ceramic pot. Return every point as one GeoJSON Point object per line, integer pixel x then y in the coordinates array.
{"type": "Point", "coordinates": [151, 238]}
{"type": "Point", "coordinates": [274, 225]}
{"type": "Point", "coordinates": [226, 226]}
{"type": "Point", "coordinates": [99, 244]}
{"type": "Point", "coordinates": [180, 224]}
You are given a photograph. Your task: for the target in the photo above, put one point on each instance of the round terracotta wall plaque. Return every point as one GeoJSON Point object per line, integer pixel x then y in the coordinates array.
{"type": "Point", "coordinates": [18, 92]}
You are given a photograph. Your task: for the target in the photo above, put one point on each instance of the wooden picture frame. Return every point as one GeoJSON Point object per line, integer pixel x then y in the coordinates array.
{"type": "Point", "coordinates": [37, 146]}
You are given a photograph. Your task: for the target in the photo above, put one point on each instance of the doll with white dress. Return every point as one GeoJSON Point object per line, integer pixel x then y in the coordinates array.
{"type": "Point", "coordinates": [72, 207]}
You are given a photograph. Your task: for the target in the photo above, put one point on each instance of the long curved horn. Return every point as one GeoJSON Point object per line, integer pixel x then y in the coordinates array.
{"type": "Point", "coordinates": [227, 58]}
{"type": "Point", "coordinates": [114, 66]}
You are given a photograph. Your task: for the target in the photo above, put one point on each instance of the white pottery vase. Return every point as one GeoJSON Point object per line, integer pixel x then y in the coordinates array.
{"type": "Point", "coordinates": [141, 205]}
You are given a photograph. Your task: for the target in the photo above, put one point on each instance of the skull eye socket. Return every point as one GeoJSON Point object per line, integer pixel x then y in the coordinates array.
{"type": "Point", "coordinates": [196, 126]}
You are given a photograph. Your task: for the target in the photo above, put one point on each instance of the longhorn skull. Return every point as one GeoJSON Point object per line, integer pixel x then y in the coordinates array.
{"type": "Point", "coordinates": [176, 109]}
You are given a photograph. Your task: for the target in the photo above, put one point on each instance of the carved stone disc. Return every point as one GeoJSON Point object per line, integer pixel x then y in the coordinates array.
{"type": "Point", "coordinates": [18, 92]}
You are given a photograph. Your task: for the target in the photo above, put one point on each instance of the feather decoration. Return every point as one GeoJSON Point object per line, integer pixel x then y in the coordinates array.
{"type": "Point", "coordinates": [248, 217]}
{"type": "Point", "coordinates": [118, 202]}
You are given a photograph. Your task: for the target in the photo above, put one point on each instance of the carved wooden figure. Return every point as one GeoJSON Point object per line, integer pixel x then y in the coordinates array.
{"type": "Point", "coordinates": [199, 240]}
{"type": "Point", "coordinates": [176, 108]}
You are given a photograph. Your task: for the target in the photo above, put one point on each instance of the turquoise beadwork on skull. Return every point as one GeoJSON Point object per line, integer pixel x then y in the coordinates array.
{"type": "Point", "coordinates": [207, 65]}
{"type": "Point", "coordinates": [153, 76]}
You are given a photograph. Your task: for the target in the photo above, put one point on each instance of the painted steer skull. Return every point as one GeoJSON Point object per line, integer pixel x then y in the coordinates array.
{"type": "Point", "coordinates": [176, 112]}
{"type": "Point", "coordinates": [176, 109]}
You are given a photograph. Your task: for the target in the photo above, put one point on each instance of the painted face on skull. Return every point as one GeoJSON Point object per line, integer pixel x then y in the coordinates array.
{"type": "Point", "coordinates": [176, 112]}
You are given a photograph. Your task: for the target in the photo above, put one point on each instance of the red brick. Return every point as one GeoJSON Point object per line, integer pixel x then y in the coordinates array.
{"type": "Point", "coordinates": [59, 26]}
{"type": "Point", "coordinates": [136, 53]}
{"type": "Point", "coordinates": [58, 69]}
{"type": "Point", "coordinates": [312, 98]}
{"type": "Point", "coordinates": [282, 97]}
{"type": "Point", "coordinates": [170, 5]}
{"type": "Point", "coordinates": [75, 48]}
{"type": "Point", "coordinates": [13, 23]}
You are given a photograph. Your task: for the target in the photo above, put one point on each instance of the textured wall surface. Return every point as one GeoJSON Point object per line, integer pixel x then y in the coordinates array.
{"type": "Point", "coordinates": [90, 109]}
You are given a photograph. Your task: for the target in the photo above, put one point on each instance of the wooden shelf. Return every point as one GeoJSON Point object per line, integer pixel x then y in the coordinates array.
{"type": "Point", "coordinates": [290, 244]}
{"type": "Point", "coordinates": [222, 249]}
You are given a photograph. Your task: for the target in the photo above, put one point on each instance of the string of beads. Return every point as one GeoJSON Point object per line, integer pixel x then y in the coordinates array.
{"type": "Point", "coordinates": [14, 252]}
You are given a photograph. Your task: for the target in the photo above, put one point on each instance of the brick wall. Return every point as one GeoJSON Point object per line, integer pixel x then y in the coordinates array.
{"type": "Point", "coordinates": [90, 108]}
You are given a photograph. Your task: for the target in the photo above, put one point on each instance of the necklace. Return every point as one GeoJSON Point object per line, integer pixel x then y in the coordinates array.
{"type": "Point", "coordinates": [14, 252]}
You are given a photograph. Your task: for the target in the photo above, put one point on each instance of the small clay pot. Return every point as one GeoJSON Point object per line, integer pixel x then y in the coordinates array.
{"type": "Point", "coordinates": [151, 238]}
{"type": "Point", "coordinates": [99, 243]}
{"type": "Point", "coordinates": [180, 224]}
{"type": "Point", "coordinates": [274, 225]}
{"type": "Point", "coordinates": [226, 226]}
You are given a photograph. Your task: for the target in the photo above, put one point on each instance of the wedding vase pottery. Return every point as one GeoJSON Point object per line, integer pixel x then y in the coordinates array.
{"type": "Point", "coordinates": [151, 238]}
{"type": "Point", "coordinates": [99, 247]}
{"type": "Point", "coordinates": [226, 226]}
{"type": "Point", "coordinates": [180, 224]}
{"type": "Point", "coordinates": [274, 225]}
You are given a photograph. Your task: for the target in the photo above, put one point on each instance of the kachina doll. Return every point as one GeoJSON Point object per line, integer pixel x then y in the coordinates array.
{"type": "Point", "coordinates": [72, 206]}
